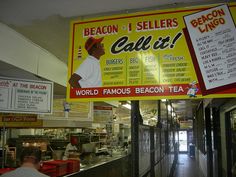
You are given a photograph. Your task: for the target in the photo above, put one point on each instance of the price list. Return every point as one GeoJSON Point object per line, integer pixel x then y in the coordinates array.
{"type": "Point", "coordinates": [24, 96]}
{"type": "Point", "coordinates": [218, 56]}
{"type": "Point", "coordinates": [214, 45]}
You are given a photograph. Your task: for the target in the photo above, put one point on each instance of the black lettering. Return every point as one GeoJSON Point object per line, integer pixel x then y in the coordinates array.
{"type": "Point", "coordinates": [161, 43]}
{"type": "Point", "coordinates": [122, 45]}
{"type": "Point", "coordinates": [119, 43]}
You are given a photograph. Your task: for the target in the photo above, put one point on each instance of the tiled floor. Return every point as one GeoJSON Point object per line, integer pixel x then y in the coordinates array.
{"type": "Point", "coordinates": [187, 167]}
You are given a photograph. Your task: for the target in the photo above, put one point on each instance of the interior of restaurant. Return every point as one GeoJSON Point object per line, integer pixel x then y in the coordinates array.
{"type": "Point", "coordinates": [110, 138]}
{"type": "Point", "coordinates": [102, 130]}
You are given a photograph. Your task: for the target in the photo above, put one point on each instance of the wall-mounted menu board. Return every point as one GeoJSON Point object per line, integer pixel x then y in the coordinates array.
{"type": "Point", "coordinates": [25, 96]}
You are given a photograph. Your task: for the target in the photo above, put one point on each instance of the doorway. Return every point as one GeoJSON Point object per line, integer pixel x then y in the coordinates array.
{"type": "Point", "coordinates": [183, 141]}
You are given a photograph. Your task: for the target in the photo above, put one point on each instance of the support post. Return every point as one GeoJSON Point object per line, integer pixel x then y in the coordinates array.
{"type": "Point", "coordinates": [136, 119]}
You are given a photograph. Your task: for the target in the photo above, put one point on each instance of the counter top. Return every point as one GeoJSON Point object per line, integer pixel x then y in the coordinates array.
{"type": "Point", "coordinates": [99, 161]}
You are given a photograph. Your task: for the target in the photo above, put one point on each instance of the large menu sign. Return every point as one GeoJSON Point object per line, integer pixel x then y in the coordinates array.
{"type": "Point", "coordinates": [213, 36]}
{"type": "Point", "coordinates": [156, 55]}
{"type": "Point", "coordinates": [24, 96]}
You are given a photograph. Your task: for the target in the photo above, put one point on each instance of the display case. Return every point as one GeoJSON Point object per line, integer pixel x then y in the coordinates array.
{"type": "Point", "coordinates": [42, 142]}
{"type": "Point", "coordinates": [84, 138]}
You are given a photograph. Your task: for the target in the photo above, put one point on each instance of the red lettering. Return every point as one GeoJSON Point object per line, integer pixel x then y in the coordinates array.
{"type": "Point", "coordinates": [175, 22]}
{"type": "Point", "coordinates": [162, 23]}
{"type": "Point", "coordinates": [139, 26]}
{"type": "Point", "coordinates": [86, 32]}
{"type": "Point", "coordinates": [194, 23]}
{"type": "Point", "coordinates": [209, 16]}
{"type": "Point", "coordinates": [92, 31]}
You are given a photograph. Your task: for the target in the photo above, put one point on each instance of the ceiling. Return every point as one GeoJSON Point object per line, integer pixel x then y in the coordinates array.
{"type": "Point", "coordinates": [46, 23]}
{"type": "Point", "coordinates": [185, 108]}
{"type": "Point", "coordinates": [7, 70]}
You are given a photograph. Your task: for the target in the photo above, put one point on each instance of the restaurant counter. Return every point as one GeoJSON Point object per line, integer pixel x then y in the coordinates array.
{"type": "Point", "coordinates": [117, 165]}
{"type": "Point", "coordinates": [107, 166]}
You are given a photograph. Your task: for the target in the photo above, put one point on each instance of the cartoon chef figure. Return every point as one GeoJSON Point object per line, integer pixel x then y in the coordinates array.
{"type": "Point", "coordinates": [193, 89]}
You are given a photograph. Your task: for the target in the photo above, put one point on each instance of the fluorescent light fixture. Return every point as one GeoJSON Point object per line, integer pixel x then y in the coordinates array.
{"type": "Point", "coordinates": [163, 100]}
{"type": "Point", "coordinates": [128, 106]}
{"type": "Point", "coordinates": [169, 107]}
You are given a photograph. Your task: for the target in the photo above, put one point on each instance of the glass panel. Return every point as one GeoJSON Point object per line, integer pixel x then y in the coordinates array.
{"type": "Point", "coordinates": [233, 150]}
{"type": "Point", "coordinates": [183, 141]}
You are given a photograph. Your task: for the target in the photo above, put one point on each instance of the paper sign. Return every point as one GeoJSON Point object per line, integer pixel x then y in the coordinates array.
{"type": "Point", "coordinates": [19, 120]}
{"type": "Point", "coordinates": [102, 113]}
{"type": "Point", "coordinates": [213, 36]}
{"type": "Point", "coordinates": [23, 96]}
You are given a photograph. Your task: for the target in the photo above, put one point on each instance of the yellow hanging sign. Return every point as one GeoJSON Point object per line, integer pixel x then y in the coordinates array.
{"type": "Point", "coordinates": [147, 56]}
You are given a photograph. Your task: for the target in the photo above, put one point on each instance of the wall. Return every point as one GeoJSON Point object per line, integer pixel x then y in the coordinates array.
{"type": "Point", "coordinates": [202, 162]}
{"type": "Point", "coordinates": [225, 108]}
{"type": "Point", "coordinates": [18, 51]}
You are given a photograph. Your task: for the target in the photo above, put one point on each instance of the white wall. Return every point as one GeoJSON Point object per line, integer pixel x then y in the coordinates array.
{"type": "Point", "coordinates": [18, 51]}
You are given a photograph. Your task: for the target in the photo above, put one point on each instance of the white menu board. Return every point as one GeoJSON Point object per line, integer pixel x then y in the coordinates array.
{"type": "Point", "coordinates": [213, 36]}
{"type": "Point", "coordinates": [102, 113]}
{"type": "Point", "coordinates": [24, 96]}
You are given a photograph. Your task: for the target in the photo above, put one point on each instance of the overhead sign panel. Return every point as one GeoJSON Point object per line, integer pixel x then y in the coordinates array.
{"type": "Point", "coordinates": [24, 96]}
{"type": "Point", "coordinates": [19, 120]}
{"type": "Point", "coordinates": [213, 36]}
{"type": "Point", "coordinates": [147, 56]}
